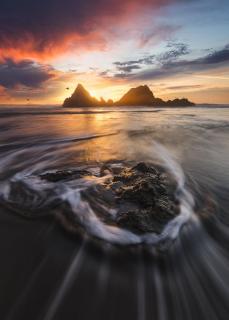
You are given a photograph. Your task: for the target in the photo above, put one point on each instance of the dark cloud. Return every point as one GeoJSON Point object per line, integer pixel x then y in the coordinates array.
{"type": "Point", "coordinates": [186, 87]}
{"type": "Point", "coordinates": [176, 51]}
{"type": "Point", "coordinates": [128, 68]}
{"type": "Point", "coordinates": [145, 60]}
{"type": "Point", "coordinates": [170, 67]}
{"type": "Point", "coordinates": [123, 68]}
{"type": "Point", "coordinates": [48, 25]}
{"type": "Point", "coordinates": [25, 73]}
{"type": "Point", "coordinates": [216, 57]}
{"type": "Point", "coordinates": [104, 73]}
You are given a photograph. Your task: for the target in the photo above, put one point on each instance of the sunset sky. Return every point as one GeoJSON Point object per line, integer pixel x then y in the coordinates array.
{"type": "Point", "coordinates": [180, 48]}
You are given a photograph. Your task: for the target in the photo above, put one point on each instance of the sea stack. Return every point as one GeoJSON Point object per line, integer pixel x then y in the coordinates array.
{"type": "Point", "coordinates": [143, 96]}
{"type": "Point", "coordinates": [140, 96]}
{"type": "Point", "coordinates": [81, 98]}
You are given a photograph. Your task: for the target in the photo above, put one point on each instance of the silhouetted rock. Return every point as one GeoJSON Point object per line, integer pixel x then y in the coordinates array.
{"type": "Point", "coordinates": [158, 102]}
{"type": "Point", "coordinates": [81, 98]}
{"type": "Point", "coordinates": [110, 102]}
{"type": "Point", "coordinates": [102, 101]}
{"type": "Point", "coordinates": [180, 103]}
{"type": "Point", "coordinates": [140, 96]}
{"type": "Point", "coordinates": [143, 96]}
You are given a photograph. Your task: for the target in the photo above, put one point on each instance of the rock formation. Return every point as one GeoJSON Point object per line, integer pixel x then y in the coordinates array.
{"type": "Point", "coordinates": [143, 196]}
{"type": "Point", "coordinates": [143, 96]}
{"type": "Point", "coordinates": [140, 96]}
{"type": "Point", "coordinates": [81, 98]}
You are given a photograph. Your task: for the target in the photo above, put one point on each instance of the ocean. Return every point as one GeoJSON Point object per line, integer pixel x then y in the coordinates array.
{"type": "Point", "coordinates": [51, 270]}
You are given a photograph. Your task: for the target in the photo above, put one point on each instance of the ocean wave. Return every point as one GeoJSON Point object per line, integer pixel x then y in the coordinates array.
{"type": "Point", "coordinates": [30, 196]}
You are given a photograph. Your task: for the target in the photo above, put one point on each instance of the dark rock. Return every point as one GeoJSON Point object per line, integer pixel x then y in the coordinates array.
{"type": "Point", "coordinates": [105, 169]}
{"type": "Point", "coordinates": [179, 103]}
{"type": "Point", "coordinates": [81, 98]}
{"type": "Point", "coordinates": [64, 175]}
{"type": "Point", "coordinates": [139, 96]}
{"type": "Point", "coordinates": [145, 203]}
{"type": "Point", "coordinates": [143, 196]}
{"type": "Point", "coordinates": [143, 96]}
{"type": "Point", "coordinates": [140, 198]}
{"type": "Point", "coordinates": [142, 167]}
{"type": "Point", "coordinates": [110, 102]}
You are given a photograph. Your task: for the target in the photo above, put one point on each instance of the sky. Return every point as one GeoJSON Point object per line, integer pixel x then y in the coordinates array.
{"type": "Point", "coordinates": [179, 48]}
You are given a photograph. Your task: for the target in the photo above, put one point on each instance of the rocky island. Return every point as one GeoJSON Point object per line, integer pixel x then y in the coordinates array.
{"type": "Point", "coordinates": [140, 96]}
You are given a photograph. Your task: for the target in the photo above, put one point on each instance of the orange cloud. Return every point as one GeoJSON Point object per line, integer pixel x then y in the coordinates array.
{"type": "Point", "coordinates": [28, 47]}
{"type": "Point", "coordinates": [43, 30]}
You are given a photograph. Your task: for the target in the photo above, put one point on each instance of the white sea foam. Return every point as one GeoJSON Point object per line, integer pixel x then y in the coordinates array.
{"type": "Point", "coordinates": [82, 212]}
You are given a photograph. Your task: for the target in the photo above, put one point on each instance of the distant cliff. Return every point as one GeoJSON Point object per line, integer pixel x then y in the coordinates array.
{"type": "Point", "coordinates": [140, 96]}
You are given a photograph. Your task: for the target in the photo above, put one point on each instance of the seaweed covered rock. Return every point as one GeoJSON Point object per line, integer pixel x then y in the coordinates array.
{"type": "Point", "coordinates": [140, 198]}
{"type": "Point", "coordinates": [145, 197]}
{"type": "Point", "coordinates": [63, 175]}
{"type": "Point", "coordinates": [137, 197]}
